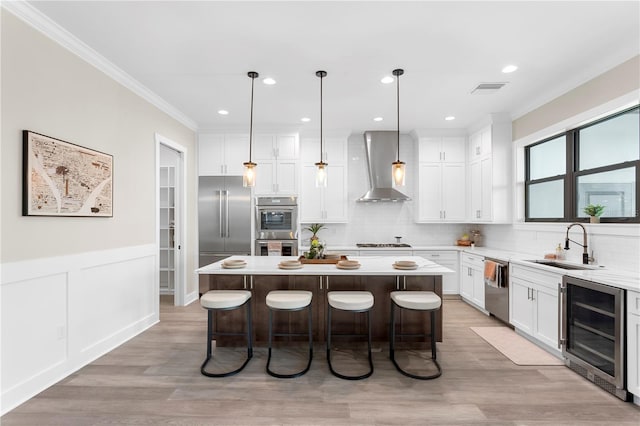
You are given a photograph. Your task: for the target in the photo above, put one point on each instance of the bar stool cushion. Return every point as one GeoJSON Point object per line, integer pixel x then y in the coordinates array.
{"type": "Point", "coordinates": [288, 299]}
{"type": "Point", "coordinates": [350, 300]}
{"type": "Point", "coordinates": [418, 300]}
{"type": "Point", "coordinates": [224, 299]}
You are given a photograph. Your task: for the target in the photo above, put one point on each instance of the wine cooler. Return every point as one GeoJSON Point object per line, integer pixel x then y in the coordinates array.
{"type": "Point", "coordinates": [592, 332]}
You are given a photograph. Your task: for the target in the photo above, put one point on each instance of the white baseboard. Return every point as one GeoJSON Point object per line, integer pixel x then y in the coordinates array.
{"type": "Point", "coordinates": [191, 297]}
{"type": "Point", "coordinates": [78, 307]}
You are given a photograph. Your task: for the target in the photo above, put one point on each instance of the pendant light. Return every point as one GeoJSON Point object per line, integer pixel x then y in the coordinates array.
{"type": "Point", "coordinates": [321, 166]}
{"type": "Point", "coordinates": [397, 167]}
{"type": "Point", "coordinates": [249, 176]}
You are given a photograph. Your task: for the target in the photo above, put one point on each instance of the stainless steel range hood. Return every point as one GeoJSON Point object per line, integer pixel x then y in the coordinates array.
{"type": "Point", "coordinates": [381, 150]}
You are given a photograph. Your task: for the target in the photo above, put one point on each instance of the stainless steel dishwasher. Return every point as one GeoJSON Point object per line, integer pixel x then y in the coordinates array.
{"type": "Point", "coordinates": [496, 288]}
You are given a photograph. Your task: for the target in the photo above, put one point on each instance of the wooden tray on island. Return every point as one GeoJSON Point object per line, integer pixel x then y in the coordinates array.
{"type": "Point", "coordinates": [303, 259]}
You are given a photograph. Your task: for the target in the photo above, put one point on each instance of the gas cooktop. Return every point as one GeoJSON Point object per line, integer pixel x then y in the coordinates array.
{"type": "Point", "coordinates": [382, 245]}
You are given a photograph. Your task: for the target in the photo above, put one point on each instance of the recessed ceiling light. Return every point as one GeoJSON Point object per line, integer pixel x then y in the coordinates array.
{"type": "Point", "coordinates": [387, 79]}
{"type": "Point", "coordinates": [449, 117]}
{"type": "Point", "coordinates": [377, 119]}
{"type": "Point", "coordinates": [305, 119]}
{"type": "Point", "coordinates": [223, 112]}
{"type": "Point", "coordinates": [269, 81]}
{"type": "Point", "coordinates": [509, 68]}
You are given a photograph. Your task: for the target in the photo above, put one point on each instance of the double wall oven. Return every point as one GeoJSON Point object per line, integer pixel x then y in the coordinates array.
{"type": "Point", "coordinates": [276, 226]}
{"type": "Point", "coordinates": [592, 332]}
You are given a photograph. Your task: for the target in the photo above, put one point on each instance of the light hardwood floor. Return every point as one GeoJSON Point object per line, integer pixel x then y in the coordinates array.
{"type": "Point", "coordinates": [154, 379]}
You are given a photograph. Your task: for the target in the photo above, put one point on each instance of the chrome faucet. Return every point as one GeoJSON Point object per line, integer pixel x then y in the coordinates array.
{"type": "Point", "coordinates": [585, 253]}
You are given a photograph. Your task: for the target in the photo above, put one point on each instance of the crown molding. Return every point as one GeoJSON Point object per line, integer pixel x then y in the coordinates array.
{"type": "Point", "coordinates": [55, 32]}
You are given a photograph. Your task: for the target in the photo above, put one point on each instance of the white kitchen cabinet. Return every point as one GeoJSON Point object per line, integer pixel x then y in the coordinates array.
{"type": "Point", "coordinates": [533, 304]}
{"type": "Point", "coordinates": [480, 143]}
{"type": "Point", "coordinates": [481, 189]}
{"type": "Point", "coordinates": [441, 192]}
{"type": "Point", "coordinates": [448, 259]}
{"type": "Point", "coordinates": [472, 279]}
{"type": "Point", "coordinates": [633, 343]}
{"type": "Point", "coordinates": [490, 173]}
{"type": "Point", "coordinates": [222, 154]}
{"type": "Point", "coordinates": [324, 204]}
{"type": "Point", "coordinates": [277, 169]}
{"type": "Point", "coordinates": [441, 179]}
{"type": "Point", "coordinates": [441, 149]}
{"type": "Point", "coordinates": [328, 204]}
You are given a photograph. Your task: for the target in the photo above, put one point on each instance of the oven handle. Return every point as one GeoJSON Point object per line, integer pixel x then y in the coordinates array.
{"type": "Point", "coordinates": [561, 292]}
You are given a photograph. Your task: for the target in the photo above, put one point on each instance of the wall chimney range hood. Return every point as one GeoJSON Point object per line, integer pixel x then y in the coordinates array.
{"type": "Point", "coordinates": [380, 149]}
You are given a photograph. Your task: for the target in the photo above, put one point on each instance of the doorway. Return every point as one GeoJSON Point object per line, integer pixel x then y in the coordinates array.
{"type": "Point", "coordinates": [170, 208]}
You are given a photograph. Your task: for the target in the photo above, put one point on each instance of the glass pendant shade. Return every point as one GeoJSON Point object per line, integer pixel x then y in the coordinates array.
{"type": "Point", "coordinates": [321, 175]}
{"type": "Point", "coordinates": [249, 175]}
{"type": "Point", "coordinates": [398, 173]}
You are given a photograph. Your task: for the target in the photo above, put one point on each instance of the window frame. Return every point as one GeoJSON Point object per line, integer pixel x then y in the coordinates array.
{"type": "Point", "coordinates": [571, 175]}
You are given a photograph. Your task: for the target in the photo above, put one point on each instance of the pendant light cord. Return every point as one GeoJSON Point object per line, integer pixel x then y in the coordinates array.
{"type": "Point", "coordinates": [253, 76]}
{"type": "Point", "coordinates": [398, 111]}
{"type": "Point", "coordinates": [321, 74]}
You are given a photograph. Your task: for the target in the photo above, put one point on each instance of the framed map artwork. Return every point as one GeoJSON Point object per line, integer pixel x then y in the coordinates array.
{"type": "Point", "coordinates": [63, 179]}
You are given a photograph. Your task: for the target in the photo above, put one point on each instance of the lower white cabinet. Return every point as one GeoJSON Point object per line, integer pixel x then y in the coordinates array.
{"type": "Point", "coordinates": [633, 343]}
{"type": "Point", "coordinates": [533, 304]}
{"type": "Point", "coordinates": [448, 259]}
{"type": "Point", "coordinates": [472, 278]}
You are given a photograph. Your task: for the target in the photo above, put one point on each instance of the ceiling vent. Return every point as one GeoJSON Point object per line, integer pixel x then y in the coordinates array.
{"type": "Point", "coordinates": [487, 88]}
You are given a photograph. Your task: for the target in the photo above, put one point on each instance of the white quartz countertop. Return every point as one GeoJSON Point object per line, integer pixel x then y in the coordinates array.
{"type": "Point", "coordinates": [369, 265]}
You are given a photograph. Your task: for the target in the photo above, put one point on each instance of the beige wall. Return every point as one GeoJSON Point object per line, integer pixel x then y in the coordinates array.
{"type": "Point", "coordinates": [616, 82]}
{"type": "Point", "coordinates": [49, 90]}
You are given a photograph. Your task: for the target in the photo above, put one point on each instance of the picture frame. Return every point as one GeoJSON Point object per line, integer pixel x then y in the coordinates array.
{"type": "Point", "coordinates": [64, 179]}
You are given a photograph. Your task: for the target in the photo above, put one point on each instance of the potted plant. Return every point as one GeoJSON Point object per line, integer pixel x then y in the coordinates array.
{"type": "Point", "coordinates": [314, 228]}
{"type": "Point", "coordinates": [594, 211]}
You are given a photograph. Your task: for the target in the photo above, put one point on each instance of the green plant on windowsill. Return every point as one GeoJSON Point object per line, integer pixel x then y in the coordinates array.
{"type": "Point", "coordinates": [594, 211]}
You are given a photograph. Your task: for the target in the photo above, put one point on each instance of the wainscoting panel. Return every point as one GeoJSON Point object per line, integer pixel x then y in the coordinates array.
{"type": "Point", "coordinates": [59, 314]}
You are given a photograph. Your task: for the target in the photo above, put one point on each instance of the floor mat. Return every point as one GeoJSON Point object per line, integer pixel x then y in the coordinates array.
{"type": "Point", "coordinates": [515, 347]}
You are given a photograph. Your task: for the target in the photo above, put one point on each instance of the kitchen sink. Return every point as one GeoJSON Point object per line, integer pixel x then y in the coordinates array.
{"type": "Point", "coordinates": [561, 265]}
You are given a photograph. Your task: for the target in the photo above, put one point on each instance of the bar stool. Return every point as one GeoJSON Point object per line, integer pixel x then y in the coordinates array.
{"type": "Point", "coordinates": [289, 301]}
{"type": "Point", "coordinates": [426, 301]}
{"type": "Point", "coordinates": [352, 301]}
{"type": "Point", "coordinates": [226, 300]}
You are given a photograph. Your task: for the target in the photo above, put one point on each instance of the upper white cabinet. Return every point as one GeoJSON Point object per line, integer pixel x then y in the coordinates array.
{"type": "Point", "coordinates": [324, 204]}
{"type": "Point", "coordinates": [222, 155]}
{"type": "Point", "coordinates": [277, 159]}
{"type": "Point", "coordinates": [480, 143]}
{"type": "Point", "coordinates": [490, 170]}
{"type": "Point", "coordinates": [441, 149]}
{"type": "Point", "coordinates": [441, 179]}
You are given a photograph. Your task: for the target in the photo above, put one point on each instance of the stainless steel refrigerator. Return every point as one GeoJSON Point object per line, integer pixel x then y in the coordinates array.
{"type": "Point", "coordinates": [224, 219]}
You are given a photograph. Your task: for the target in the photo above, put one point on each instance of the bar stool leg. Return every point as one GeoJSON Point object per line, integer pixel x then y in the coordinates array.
{"type": "Point", "coordinates": [392, 339]}
{"type": "Point", "coordinates": [369, 356]}
{"type": "Point", "coordinates": [310, 334]}
{"type": "Point", "coordinates": [210, 334]}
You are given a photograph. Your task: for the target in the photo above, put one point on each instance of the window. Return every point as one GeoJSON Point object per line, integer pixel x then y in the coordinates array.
{"type": "Point", "coordinates": [598, 163]}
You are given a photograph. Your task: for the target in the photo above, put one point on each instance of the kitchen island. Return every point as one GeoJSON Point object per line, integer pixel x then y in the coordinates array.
{"type": "Point", "coordinates": [376, 274]}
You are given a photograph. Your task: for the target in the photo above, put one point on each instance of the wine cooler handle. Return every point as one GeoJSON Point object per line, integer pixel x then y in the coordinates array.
{"type": "Point", "coordinates": [560, 316]}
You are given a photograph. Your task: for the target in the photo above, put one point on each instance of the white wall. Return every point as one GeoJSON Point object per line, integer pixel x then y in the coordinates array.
{"type": "Point", "coordinates": [74, 288]}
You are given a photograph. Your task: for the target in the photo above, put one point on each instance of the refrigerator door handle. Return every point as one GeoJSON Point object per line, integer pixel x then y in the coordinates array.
{"type": "Point", "coordinates": [220, 214]}
{"type": "Point", "coordinates": [226, 214]}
